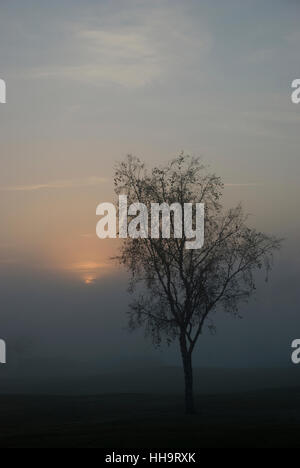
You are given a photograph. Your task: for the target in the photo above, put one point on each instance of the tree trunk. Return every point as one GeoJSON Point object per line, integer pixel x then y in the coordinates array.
{"type": "Point", "coordinates": [188, 376]}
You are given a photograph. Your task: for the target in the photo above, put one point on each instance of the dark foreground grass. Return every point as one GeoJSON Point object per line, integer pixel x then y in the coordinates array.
{"type": "Point", "coordinates": [265, 418]}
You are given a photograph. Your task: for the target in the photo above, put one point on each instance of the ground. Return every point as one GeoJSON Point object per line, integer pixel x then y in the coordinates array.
{"type": "Point", "coordinates": [263, 418]}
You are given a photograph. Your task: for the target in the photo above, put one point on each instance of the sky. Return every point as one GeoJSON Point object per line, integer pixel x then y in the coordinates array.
{"type": "Point", "coordinates": [89, 82]}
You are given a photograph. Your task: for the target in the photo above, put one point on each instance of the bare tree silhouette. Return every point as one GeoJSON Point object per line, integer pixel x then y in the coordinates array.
{"type": "Point", "coordinates": [176, 289]}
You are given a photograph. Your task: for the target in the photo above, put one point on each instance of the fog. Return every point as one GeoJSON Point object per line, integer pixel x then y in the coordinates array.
{"type": "Point", "coordinates": [54, 326]}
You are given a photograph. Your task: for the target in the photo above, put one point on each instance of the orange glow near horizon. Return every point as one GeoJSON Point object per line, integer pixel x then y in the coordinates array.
{"type": "Point", "coordinates": [89, 280]}
{"type": "Point", "coordinates": [89, 271]}
{"type": "Point", "coordinates": [82, 257]}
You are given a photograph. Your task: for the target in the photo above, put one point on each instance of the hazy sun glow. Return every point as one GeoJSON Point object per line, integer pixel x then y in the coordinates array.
{"type": "Point", "coordinates": [88, 271]}
{"type": "Point", "coordinates": [89, 280]}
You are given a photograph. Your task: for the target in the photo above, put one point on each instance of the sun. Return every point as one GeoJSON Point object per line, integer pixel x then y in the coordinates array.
{"type": "Point", "coordinates": [89, 271]}
{"type": "Point", "coordinates": [89, 280]}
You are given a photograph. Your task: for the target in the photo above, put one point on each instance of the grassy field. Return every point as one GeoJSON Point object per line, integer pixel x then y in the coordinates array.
{"type": "Point", "coordinates": [263, 418]}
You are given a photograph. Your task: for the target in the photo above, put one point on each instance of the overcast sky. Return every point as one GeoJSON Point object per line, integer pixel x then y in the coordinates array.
{"type": "Point", "coordinates": [87, 83]}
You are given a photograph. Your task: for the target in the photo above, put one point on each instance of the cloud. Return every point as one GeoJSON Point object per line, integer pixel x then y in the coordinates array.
{"type": "Point", "coordinates": [85, 182]}
{"type": "Point", "coordinates": [58, 184]}
{"type": "Point", "coordinates": [132, 49]}
{"type": "Point", "coordinates": [125, 58]}
{"type": "Point", "coordinates": [238, 184]}
{"type": "Point", "coordinates": [88, 236]}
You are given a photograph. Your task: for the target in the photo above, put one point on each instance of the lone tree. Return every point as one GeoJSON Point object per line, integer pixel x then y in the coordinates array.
{"type": "Point", "coordinates": [176, 289]}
